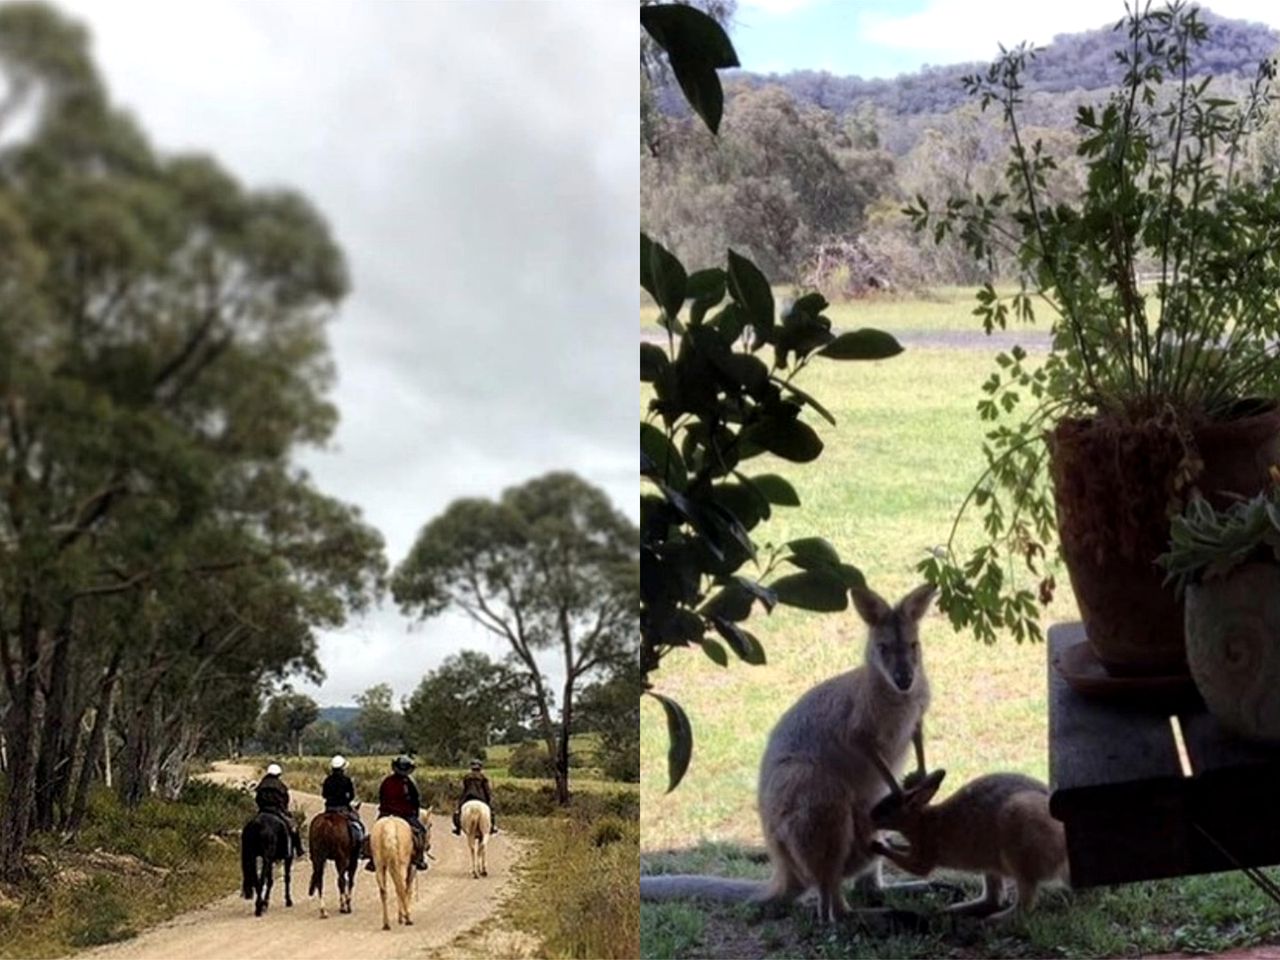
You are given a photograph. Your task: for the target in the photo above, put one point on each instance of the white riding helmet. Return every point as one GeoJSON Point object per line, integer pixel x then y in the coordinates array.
{"type": "Point", "coordinates": [338, 762]}
{"type": "Point", "coordinates": [273, 770]}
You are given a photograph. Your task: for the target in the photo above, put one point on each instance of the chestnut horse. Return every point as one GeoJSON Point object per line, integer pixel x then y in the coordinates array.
{"type": "Point", "coordinates": [331, 839]}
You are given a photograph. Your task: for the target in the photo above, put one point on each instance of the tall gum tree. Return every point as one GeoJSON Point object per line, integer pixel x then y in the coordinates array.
{"type": "Point", "coordinates": [549, 565]}
{"type": "Point", "coordinates": [162, 352]}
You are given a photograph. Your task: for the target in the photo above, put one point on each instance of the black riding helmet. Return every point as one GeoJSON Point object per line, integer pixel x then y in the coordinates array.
{"type": "Point", "coordinates": [402, 764]}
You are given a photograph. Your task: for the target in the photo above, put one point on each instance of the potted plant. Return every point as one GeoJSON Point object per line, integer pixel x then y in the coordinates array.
{"type": "Point", "coordinates": [1228, 564]}
{"type": "Point", "coordinates": [1162, 279]}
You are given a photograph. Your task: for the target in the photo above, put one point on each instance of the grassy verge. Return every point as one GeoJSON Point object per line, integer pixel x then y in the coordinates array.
{"type": "Point", "coordinates": [126, 871]}
{"type": "Point", "coordinates": [885, 490]}
{"type": "Point", "coordinates": [577, 890]}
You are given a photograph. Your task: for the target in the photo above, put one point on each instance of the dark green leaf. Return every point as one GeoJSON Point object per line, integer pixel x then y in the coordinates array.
{"type": "Point", "coordinates": [790, 439]}
{"type": "Point", "coordinates": [696, 47]}
{"type": "Point", "coordinates": [746, 646]}
{"type": "Point", "coordinates": [715, 652]}
{"type": "Point", "coordinates": [653, 360]}
{"type": "Point", "coordinates": [705, 288]}
{"type": "Point", "coordinates": [680, 735]}
{"type": "Point", "coordinates": [812, 590]}
{"type": "Point", "coordinates": [662, 275]}
{"type": "Point", "coordinates": [811, 401]}
{"type": "Point", "coordinates": [811, 553]}
{"type": "Point", "coordinates": [862, 345]}
{"type": "Point", "coordinates": [733, 602]}
{"type": "Point", "coordinates": [776, 490]}
{"type": "Point", "coordinates": [668, 466]}
{"type": "Point", "coordinates": [751, 290]}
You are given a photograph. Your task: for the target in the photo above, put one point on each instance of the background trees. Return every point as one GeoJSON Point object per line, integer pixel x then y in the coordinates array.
{"type": "Point", "coordinates": [465, 705]}
{"type": "Point", "coordinates": [161, 354]}
{"type": "Point", "coordinates": [550, 565]}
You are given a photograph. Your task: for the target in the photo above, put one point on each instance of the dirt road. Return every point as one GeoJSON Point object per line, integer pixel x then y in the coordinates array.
{"type": "Point", "coordinates": [449, 904]}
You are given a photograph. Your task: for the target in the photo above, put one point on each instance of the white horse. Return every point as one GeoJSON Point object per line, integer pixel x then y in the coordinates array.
{"type": "Point", "coordinates": [475, 819]}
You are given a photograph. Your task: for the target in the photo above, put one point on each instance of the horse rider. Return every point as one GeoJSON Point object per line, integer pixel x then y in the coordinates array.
{"type": "Point", "coordinates": [398, 797]}
{"type": "Point", "coordinates": [475, 786]}
{"type": "Point", "coordinates": [272, 796]}
{"type": "Point", "coordinates": [340, 793]}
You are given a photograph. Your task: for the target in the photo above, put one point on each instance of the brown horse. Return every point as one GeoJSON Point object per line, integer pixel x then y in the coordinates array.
{"type": "Point", "coordinates": [331, 840]}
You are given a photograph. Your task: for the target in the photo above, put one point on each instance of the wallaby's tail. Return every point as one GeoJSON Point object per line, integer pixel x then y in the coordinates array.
{"type": "Point", "coordinates": [248, 868]}
{"type": "Point", "coordinates": [684, 886]}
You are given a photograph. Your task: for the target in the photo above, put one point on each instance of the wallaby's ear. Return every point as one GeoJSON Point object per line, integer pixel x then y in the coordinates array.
{"type": "Point", "coordinates": [916, 603]}
{"type": "Point", "coordinates": [921, 795]}
{"type": "Point", "coordinates": [871, 607]}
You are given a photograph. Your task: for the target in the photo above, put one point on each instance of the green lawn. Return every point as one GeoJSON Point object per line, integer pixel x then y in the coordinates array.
{"type": "Point", "coordinates": [943, 308]}
{"type": "Point", "coordinates": [894, 470]}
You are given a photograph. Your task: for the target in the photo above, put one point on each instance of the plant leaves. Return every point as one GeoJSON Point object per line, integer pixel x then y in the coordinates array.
{"type": "Point", "coordinates": [752, 292]}
{"type": "Point", "coordinates": [746, 646]}
{"type": "Point", "coordinates": [653, 360]}
{"type": "Point", "coordinates": [680, 738]}
{"type": "Point", "coordinates": [668, 465]}
{"type": "Point", "coordinates": [811, 553]}
{"type": "Point", "coordinates": [662, 275]}
{"type": "Point", "coordinates": [862, 345]}
{"type": "Point", "coordinates": [816, 590]}
{"type": "Point", "coordinates": [714, 651]}
{"type": "Point", "coordinates": [790, 439]}
{"type": "Point", "coordinates": [776, 490]}
{"type": "Point", "coordinates": [696, 47]}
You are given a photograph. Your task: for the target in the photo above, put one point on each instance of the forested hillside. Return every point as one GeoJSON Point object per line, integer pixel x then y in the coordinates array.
{"type": "Point", "coordinates": [811, 170]}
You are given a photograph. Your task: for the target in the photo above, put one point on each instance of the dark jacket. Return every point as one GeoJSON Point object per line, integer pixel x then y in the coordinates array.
{"type": "Point", "coordinates": [272, 794]}
{"type": "Point", "coordinates": [475, 786]}
{"type": "Point", "coordinates": [338, 790]}
{"type": "Point", "coordinates": [398, 797]}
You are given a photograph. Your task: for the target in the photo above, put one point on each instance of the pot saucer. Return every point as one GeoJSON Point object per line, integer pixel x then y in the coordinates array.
{"type": "Point", "coordinates": [1085, 674]}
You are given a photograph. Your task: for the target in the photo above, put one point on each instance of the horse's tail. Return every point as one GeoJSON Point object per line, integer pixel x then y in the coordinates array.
{"type": "Point", "coordinates": [248, 865]}
{"type": "Point", "coordinates": [317, 874]}
{"type": "Point", "coordinates": [399, 867]}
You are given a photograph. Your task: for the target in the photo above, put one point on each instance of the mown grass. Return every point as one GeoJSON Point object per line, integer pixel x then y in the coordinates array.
{"type": "Point", "coordinates": [885, 490]}
{"type": "Point", "coordinates": [126, 871]}
{"type": "Point", "coordinates": [942, 308]}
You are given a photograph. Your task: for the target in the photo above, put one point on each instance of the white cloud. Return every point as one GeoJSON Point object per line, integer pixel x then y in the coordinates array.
{"type": "Point", "coordinates": [478, 165]}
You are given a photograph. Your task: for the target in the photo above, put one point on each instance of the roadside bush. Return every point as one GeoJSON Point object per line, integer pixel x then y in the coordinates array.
{"type": "Point", "coordinates": [530, 760]}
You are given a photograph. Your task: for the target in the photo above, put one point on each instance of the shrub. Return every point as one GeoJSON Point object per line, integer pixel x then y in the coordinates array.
{"type": "Point", "coordinates": [530, 760]}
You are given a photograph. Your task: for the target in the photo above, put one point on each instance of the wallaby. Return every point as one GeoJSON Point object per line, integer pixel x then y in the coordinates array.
{"type": "Point", "coordinates": [819, 777]}
{"type": "Point", "coordinates": [998, 825]}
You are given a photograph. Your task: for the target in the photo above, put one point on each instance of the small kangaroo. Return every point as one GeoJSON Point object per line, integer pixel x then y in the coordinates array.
{"type": "Point", "coordinates": [998, 825]}
{"type": "Point", "coordinates": [819, 776]}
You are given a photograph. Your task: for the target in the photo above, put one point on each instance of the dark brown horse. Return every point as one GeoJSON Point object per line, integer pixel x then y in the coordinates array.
{"type": "Point", "coordinates": [331, 840]}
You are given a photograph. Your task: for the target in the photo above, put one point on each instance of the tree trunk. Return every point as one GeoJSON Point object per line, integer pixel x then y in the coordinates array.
{"type": "Point", "coordinates": [23, 729]}
{"type": "Point", "coordinates": [53, 767]}
{"type": "Point", "coordinates": [562, 753]}
{"type": "Point", "coordinates": [97, 740]}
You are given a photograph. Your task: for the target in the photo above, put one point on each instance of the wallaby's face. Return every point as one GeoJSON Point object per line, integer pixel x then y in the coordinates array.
{"type": "Point", "coordinates": [893, 648]}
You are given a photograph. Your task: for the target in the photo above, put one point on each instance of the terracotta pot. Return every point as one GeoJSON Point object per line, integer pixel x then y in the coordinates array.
{"type": "Point", "coordinates": [1112, 490]}
{"type": "Point", "coordinates": [1233, 648]}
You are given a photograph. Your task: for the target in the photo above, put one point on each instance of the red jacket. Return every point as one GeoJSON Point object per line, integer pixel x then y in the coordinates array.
{"type": "Point", "coordinates": [398, 797]}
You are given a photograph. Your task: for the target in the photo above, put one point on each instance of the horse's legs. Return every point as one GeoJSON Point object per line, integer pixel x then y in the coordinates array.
{"type": "Point", "coordinates": [318, 868]}
{"type": "Point", "coordinates": [484, 856]}
{"type": "Point", "coordinates": [259, 885]}
{"type": "Point", "coordinates": [382, 892]}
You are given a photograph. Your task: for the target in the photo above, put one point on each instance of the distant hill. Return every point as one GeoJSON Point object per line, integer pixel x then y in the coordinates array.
{"type": "Point", "coordinates": [344, 717]}
{"type": "Point", "coordinates": [1071, 63]}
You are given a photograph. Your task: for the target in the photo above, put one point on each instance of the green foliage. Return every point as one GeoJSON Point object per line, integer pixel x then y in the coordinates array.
{"type": "Point", "coordinates": [285, 717]}
{"type": "Point", "coordinates": [530, 760]}
{"type": "Point", "coordinates": [1163, 197]}
{"type": "Point", "coordinates": [716, 404]}
{"type": "Point", "coordinates": [458, 708]}
{"type": "Point", "coordinates": [380, 726]}
{"type": "Point", "coordinates": [612, 709]}
{"type": "Point", "coordinates": [1207, 544]}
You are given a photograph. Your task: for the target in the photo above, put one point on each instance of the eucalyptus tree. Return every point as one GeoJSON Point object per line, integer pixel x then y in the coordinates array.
{"type": "Point", "coordinates": [550, 564]}
{"type": "Point", "coordinates": [162, 352]}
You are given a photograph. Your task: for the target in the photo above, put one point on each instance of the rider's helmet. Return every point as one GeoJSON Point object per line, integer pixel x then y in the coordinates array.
{"type": "Point", "coordinates": [273, 770]}
{"type": "Point", "coordinates": [476, 765]}
{"type": "Point", "coordinates": [402, 764]}
{"type": "Point", "coordinates": [338, 762]}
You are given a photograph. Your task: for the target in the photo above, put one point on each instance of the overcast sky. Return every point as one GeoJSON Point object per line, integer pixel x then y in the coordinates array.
{"type": "Point", "coordinates": [883, 38]}
{"type": "Point", "coordinates": [478, 165]}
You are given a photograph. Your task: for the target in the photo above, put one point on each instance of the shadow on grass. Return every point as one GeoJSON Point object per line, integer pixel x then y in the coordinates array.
{"type": "Point", "coordinates": [1195, 914]}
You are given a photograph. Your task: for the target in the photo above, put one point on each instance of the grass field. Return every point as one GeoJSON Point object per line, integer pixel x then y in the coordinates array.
{"type": "Point", "coordinates": [895, 468]}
